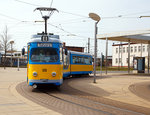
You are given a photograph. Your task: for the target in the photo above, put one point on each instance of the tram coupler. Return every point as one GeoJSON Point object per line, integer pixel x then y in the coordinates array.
{"type": "Point", "coordinates": [34, 86]}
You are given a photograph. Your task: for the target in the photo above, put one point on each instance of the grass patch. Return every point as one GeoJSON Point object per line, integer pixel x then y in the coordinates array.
{"type": "Point", "coordinates": [113, 68]}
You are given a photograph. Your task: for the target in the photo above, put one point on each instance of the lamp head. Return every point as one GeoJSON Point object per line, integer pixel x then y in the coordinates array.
{"type": "Point", "coordinates": [94, 17]}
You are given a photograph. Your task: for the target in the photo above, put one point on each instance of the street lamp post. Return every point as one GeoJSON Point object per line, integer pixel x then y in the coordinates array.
{"type": "Point", "coordinates": [96, 18]}
{"type": "Point", "coordinates": [11, 43]}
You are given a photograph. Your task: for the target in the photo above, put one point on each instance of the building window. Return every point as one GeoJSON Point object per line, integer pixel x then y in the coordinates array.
{"type": "Point", "coordinates": [135, 48]}
{"type": "Point", "coordinates": [116, 50]}
{"type": "Point", "coordinates": [119, 60]}
{"type": "Point", "coordinates": [131, 49]}
{"type": "Point", "coordinates": [143, 48]}
{"type": "Point", "coordinates": [116, 60]}
{"type": "Point", "coordinates": [139, 48]}
{"type": "Point", "coordinates": [123, 49]}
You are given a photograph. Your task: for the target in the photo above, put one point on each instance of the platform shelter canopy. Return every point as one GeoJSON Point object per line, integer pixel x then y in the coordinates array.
{"type": "Point", "coordinates": [127, 36]}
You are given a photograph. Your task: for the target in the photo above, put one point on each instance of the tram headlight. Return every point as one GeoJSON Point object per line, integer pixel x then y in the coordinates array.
{"type": "Point", "coordinates": [53, 74]}
{"type": "Point", "coordinates": [34, 74]}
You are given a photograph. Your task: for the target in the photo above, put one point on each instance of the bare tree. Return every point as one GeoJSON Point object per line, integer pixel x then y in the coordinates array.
{"type": "Point", "coordinates": [5, 43]}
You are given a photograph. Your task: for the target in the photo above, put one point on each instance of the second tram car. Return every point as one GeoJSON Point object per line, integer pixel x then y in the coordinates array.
{"type": "Point", "coordinates": [77, 63]}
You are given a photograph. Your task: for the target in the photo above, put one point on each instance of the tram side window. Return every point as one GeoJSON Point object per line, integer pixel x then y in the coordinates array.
{"type": "Point", "coordinates": [74, 59]}
{"type": "Point", "coordinates": [82, 60]}
{"type": "Point", "coordinates": [79, 59]}
{"type": "Point", "coordinates": [88, 60]}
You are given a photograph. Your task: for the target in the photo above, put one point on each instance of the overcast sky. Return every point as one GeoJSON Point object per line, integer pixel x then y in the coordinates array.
{"type": "Point", "coordinates": [116, 15]}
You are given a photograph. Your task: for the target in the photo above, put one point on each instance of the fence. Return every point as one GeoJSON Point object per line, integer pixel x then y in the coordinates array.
{"type": "Point", "coordinates": [7, 62]}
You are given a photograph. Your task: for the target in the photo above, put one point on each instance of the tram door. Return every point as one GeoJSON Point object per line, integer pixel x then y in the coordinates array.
{"type": "Point", "coordinates": [66, 64]}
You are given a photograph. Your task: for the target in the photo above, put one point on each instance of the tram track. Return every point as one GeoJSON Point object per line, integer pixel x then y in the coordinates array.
{"type": "Point", "coordinates": [80, 104]}
{"type": "Point", "coordinates": [67, 100]}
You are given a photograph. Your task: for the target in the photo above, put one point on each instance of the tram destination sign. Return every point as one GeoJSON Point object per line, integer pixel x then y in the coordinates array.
{"type": "Point", "coordinates": [44, 44]}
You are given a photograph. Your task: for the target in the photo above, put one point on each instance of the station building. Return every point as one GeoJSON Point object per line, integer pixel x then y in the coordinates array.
{"type": "Point", "coordinates": [120, 53]}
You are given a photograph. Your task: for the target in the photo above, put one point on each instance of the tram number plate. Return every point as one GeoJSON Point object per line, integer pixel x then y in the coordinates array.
{"type": "Point", "coordinates": [44, 80]}
{"type": "Point", "coordinates": [44, 44]}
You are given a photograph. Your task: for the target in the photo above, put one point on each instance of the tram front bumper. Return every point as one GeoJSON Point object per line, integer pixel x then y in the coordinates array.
{"type": "Point", "coordinates": [45, 81]}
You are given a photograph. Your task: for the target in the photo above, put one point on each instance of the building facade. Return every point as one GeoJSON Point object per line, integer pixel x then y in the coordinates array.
{"type": "Point", "coordinates": [120, 53]}
{"type": "Point", "coordinates": [73, 48]}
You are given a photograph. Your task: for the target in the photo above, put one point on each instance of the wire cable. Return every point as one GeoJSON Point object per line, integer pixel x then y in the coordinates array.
{"type": "Point", "coordinates": [51, 3]}
{"type": "Point", "coordinates": [119, 16]}
{"type": "Point", "coordinates": [70, 34]}
{"type": "Point", "coordinates": [27, 3]}
{"type": "Point", "coordinates": [136, 13]}
{"type": "Point", "coordinates": [9, 17]}
{"type": "Point", "coordinates": [74, 14]}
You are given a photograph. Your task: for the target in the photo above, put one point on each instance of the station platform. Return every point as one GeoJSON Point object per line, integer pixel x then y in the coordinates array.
{"type": "Point", "coordinates": [112, 86]}
{"type": "Point", "coordinates": [11, 102]}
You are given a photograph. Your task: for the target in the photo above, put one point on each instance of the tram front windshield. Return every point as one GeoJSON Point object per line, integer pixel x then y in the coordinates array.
{"type": "Point", "coordinates": [44, 55]}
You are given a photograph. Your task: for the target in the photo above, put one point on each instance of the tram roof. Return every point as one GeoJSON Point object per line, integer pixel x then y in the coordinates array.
{"type": "Point", "coordinates": [80, 53]}
{"type": "Point", "coordinates": [52, 38]}
{"type": "Point", "coordinates": [132, 36]}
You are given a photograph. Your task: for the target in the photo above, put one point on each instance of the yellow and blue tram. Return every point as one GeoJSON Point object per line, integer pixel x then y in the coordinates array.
{"type": "Point", "coordinates": [48, 62]}
{"type": "Point", "coordinates": [45, 64]}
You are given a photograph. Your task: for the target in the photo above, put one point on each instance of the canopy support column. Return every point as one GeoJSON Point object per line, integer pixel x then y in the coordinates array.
{"type": "Point", "coordinates": [148, 55]}
{"type": "Point", "coordinates": [141, 49]}
{"type": "Point", "coordinates": [106, 53]}
{"type": "Point", "coordinates": [128, 56]}
{"type": "Point", "coordinates": [121, 53]}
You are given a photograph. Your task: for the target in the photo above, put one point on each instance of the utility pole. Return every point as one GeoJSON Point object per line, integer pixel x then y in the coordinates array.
{"type": "Point", "coordinates": [88, 45]}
